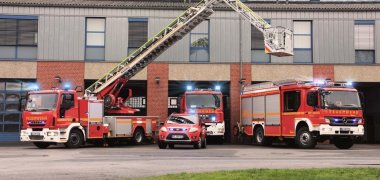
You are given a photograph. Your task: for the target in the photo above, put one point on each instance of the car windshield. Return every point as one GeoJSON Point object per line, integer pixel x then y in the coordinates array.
{"type": "Point", "coordinates": [41, 102]}
{"type": "Point", "coordinates": [182, 120]}
{"type": "Point", "coordinates": [342, 100]}
{"type": "Point", "coordinates": [202, 101]}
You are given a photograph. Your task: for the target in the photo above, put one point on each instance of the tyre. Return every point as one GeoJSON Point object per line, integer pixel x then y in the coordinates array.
{"type": "Point", "coordinates": [41, 145]}
{"type": "Point", "coordinates": [204, 144]}
{"type": "Point", "coordinates": [138, 136]}
{"type": "Point", "coordinates": [260, 139]}
{"type": "Point", "coordinates": [343, 143]}
{"type": "Point", "coordinates": [198, 144]}
{"type": "Point", "coordinates": [75, 139]}
{"type": "Point", "coordinates": [171, 146]}
{"type": "Point", "coordinates": [162, 144]}
{"type": "Point", "coordinates": [305, 139]}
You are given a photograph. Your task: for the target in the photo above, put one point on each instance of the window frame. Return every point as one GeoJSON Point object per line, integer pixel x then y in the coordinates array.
{"type": "Point", "coordinates": [17, 18]}
{"type": "Point", "coordinates": [201, 48]}
{"type": "Point", "coordinates": [95, 46]}
{"type": "Point", "coordinates": [366, 22]}
{"type": "Point", "coordinates": [285, 107]}
{"type": "Point", "coordinates": [311, 42]}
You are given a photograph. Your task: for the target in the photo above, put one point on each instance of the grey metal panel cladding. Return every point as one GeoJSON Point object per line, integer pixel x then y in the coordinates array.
{"type": "Point", "coordinates": [61, 38]}
{"type": "Point", "coordinates": [272, 109]}
{"type": "Point", "coordinates": [116, 42]}
{"type": "Point", "coordinates": [246, 110]}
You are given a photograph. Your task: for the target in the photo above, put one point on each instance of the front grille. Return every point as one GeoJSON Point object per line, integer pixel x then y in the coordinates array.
{"type": "Point", "coordinates": [36, 129]}
{"type": "Point", "coordinates": [36, 137]}
{"type": "Point", "coordinates": [170, 137]}
{"type": "Point", "coordinates": [177, 129]}
{"type": "Point", "coordinates": [343, 121]}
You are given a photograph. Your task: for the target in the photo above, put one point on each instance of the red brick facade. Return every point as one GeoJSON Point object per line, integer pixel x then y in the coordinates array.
{"type": "Point", "coordinates": [323, 72]}
{"type": "Point", "coordinates": [71, 72]}
{"type": "Point", "coordinates": [157, 92]}
{"type": "Point", "coordinates": [235, 92]}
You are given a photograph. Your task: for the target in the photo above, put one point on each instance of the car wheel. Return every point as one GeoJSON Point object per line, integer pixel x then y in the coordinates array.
{"type": "Point", "coordinates": [305, 139]}
{"type": "Point", "coordinates": [343, 143]}
{"type": "Point", "coordinates": [41, 145]}
{"type": "Point", "coordinates": [171, 146]}
{"type": "Point", "coordinates": [198, 144]}
{"type": "Point", "coordinates": [260, 139]}
{"type": "Point", "coordinates": [162, 145]}
{"type": "Point", "coordinates": [75, 139]}
{"type": "Point", "coordinates": [138, 136]}
{"type": "Point", "coordinates": [204, 143]}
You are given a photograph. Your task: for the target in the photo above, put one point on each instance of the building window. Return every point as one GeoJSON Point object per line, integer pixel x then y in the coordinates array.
{"type": "Point", "coordinates": [199, 43]}
{"type": "Point", "coordinates": [364, 42]}
{"type": "Point", "coordinates": [303, 52]}
{"type": "Point", "coordinates": [18, 37]}
{"type": "Point", "coordinates": [95, 38]}
{"type": "Point", "coordinates": [258, 54]}
{"type": "Point", "coordinates": [137, 34]}
{"type": "Point", "coordinates": [10, 116]}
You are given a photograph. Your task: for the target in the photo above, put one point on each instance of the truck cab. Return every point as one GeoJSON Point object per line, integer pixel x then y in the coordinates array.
{"type": "Point", "coordinates": [208, 105]}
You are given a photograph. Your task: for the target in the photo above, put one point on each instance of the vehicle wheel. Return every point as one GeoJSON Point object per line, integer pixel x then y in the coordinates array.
{"type": "Point", "coordinates": [198, 144]}
{"type": "Point", "coordinates": [171, 146]}
{"type": "Point", "coordinates": [138, 136]}
{"type": "Point", "coordinates": [343, 143]}
{"type": "Point", "coordinates": [162, 145]}
{"type": "Point", "coordinates": [75, 139]}
{"type": "Point", "coordinates": [41, 145]}
{"type": "Point", "coordinates": [260, 138]}
{"type": "Point", "coordinates": [305, 139]}
{"type": "Point", "coordinates": [204, 143]}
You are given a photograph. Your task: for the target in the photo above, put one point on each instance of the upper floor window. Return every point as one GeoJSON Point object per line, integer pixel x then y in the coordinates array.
{"type": "Point", "coordinates": [258, 54]}
{"type": "Point", "coordinates": [137, 33]}
{"type": "Point", "coordinates": [18, 37]}
{"type": "Point", "coordinates": [303, 52]}
{"type": "Point", "coordinates": [95, 38]}
{"type": "Point", "coordinates": [364, 41]}
{"type": "Point", "coordinates": [199, 43]}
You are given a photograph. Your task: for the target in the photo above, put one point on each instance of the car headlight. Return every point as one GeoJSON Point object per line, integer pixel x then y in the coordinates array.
{"type": "Point", "coordinates": [163, 129]}
{"type": "Point", "coordinates": [193, 130]}
{"type": "Point", "coordinates": [49, 133]}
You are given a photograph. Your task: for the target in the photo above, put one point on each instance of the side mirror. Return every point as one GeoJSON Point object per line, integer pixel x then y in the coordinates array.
{"type": "Point", "coordinates": [22, 103]}
{"type": "Point", "coordinates": [312, 99]}
{"type": "Point", "coordinates": [362, 99]}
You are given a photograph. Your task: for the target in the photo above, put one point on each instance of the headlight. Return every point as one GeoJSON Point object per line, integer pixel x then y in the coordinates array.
{"type": "Point", "coordinates": [163, 129]}
{"type": "Point", "coordinates": [193, 130]}
{"type": "Point", "coordinates": [49, 133]}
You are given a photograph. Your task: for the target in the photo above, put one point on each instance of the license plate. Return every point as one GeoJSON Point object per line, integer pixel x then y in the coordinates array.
{"type": "Point", "coordinates": [344, 129]}
{"type": "Point", "coordinates": [35, 133]}
{"type": "Point", "coordinates": [177, 136]}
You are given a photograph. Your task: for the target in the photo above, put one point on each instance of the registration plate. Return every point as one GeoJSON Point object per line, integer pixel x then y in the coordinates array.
{"type": "Point", "coordinates": [177, 136]}
{"type": "Point", "coordinates": [35, 133]}
{"type": "Point", "coordinates": [344, 129]}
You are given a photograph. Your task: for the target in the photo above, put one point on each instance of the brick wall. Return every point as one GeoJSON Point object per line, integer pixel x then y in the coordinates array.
{"type": "Point", "coordinates": [72, 72]}
{"type": "Point", "coordinates": [323, 72]}
{"type": "Point", "coordinates": [157, 93]}
{"type": "Point", "coordinates": [235, 92]}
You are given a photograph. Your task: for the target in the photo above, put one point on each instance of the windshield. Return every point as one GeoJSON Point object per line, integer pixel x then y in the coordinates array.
{"type": "Point", "coordinates": [41, 102]}
{"type": "Point", "coordinates": [342, 100]}
{"type": "Point", "coordinates": [182, 120]}
{"type": "Point", "coordinates": [202, 101]}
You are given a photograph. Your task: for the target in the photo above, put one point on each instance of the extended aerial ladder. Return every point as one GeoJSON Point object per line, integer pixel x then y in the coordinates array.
{"type": "Point", "coordinates": [277, 40]}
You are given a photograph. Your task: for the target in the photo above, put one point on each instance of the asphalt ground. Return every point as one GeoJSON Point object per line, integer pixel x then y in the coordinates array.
{"type": "Point", "coordinates": [28, 162]}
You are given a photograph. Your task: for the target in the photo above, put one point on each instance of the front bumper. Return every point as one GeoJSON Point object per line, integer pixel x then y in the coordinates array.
{"type": "Point", "coordinates": [46, 135]}
{"type": "Point", "coordinates": [215, 129]}
{"type": "Point", "coordinates": [326, 129]}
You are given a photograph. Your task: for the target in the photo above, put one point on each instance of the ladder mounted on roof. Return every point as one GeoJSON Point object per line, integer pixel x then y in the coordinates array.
{"type": "Point", "coordinates": [274, 84]}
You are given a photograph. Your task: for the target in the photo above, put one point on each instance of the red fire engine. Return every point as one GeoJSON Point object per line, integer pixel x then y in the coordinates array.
{"type": "Point", "coordinates": [208, 105]}
{"type": "Point", "coordinates": [61, 116]}
{"type": "Point", "coordinates": [304, 113]}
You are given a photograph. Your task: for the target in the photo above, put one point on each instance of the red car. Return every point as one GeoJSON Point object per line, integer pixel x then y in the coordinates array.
{"type": "Point", "coordinates": [182, 129]}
